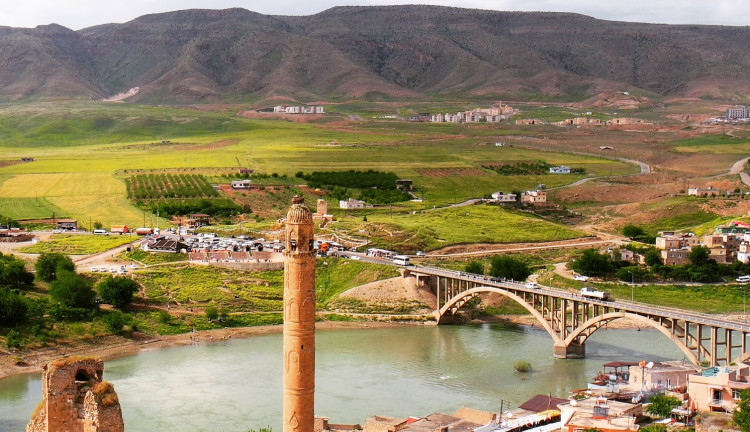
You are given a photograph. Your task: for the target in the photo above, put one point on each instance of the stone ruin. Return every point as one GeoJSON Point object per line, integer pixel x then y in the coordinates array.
{"type": "Point", "coordinates": [75, 399]}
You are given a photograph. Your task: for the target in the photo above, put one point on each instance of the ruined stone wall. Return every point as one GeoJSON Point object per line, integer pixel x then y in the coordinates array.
{"type": "Point", "coordinates": [75, 399]}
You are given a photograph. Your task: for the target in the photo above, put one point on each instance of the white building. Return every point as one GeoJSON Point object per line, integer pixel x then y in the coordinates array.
{"type": "Point", "coordinates": [241, 184]}
{"type": "Point", "coordinates": [559, 170]}
{"type": "Point", "coordinates": [504, 197]}
{"type": "Point", "coordinates": [351, 203]}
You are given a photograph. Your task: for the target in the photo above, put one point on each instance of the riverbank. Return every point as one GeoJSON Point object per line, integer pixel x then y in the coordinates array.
{"type": "Point", "coordinates": [115, 347]}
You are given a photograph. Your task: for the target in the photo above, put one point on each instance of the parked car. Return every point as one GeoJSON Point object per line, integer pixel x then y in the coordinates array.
{"type": "Point", "coordinates": [355, 257]}
{"type": "Point", "coordinates": [743, 279]}
{"type": "Point", "coordinates": [420, 253]}
{"type": "Point", "coordinates": [133, 266]}
{"type": "Point", "coordinates": [581, 278]}
{"type": "Point", "coordinates": [94, 269]}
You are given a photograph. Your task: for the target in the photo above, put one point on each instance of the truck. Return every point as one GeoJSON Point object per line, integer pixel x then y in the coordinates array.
{"type": "Point", "coordinates": [144, 231]}
{"type": "Point", "coordinates": [592, 293]}
{"type": "Point", "coordinates": [119, 229]}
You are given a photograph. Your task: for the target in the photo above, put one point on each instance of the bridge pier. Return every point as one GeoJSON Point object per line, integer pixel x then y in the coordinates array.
{"type": "Point", "coordinates": [571, 351]}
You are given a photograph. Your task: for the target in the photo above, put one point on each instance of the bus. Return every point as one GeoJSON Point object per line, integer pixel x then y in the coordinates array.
{"type": "Point", "coordinates": [401, 260]}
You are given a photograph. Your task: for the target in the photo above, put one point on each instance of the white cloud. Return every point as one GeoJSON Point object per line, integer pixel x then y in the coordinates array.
{"type": "Point", "coordinates": [77, 14]}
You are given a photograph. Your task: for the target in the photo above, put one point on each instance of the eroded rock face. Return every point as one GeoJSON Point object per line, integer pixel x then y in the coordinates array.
{"type": "Point", "coordinates": [76, 399]}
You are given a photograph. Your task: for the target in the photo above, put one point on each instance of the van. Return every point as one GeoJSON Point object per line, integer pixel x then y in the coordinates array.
{"type": "Point", "coordinates": [743, 279]}
{"type": "Point", "coordinates": [101, 232]}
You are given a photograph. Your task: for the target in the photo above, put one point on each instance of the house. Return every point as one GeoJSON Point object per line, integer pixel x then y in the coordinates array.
{"type": "Point", "coordinates": [198, 220]}
{"type": "Point", "coordinates": [245, 171]}
{"type": "Point", "coordinates": [659, 376]}
{"type": "Point", "coordinates": [672, 240]}
{"type": "Point", "coordinates": [164, 244]}
{"type": "Point", "coordinates": [673, 257]}
{"type": "Point", "coordinates": [66, 224]}
{"type": "Point", "coordinates": [743, 252]}
{"type": "Point", "coordinates": [718, 388]}
{"type": "Point", "coordinates": [241, 184]}
{"type": "Point", "coordinates": [27, 159]}
{"type": "Point", "coordinates": [351, 203]}
{"type": "Point", "coordinates": [503, 197]}
{"type": "Point", "coordinates": [404, 185]}
{"type": "Point", "coordinates": [559, 170]}
{"type": "Point", "coordinates": [723, 247]}
{"type": "Point", "coordinates": [536, 196]}
{"type": "Point", "coordinates": [738, 112]}
{"type": "Point", "coordinates": [703, 192]}
{"type": "Point", "coordinates": [601, 414]}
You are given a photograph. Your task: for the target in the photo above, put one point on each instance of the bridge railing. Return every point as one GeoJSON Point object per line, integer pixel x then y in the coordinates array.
{"type": "Point", "coordinates": [628, 306]}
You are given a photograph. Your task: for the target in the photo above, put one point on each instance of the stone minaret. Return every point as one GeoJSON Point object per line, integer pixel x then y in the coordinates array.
{"type": "Point", "coordinates": [299, 320]}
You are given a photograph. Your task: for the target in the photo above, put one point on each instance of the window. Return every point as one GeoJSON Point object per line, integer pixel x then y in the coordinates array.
{"type": "Point", "coordinates": [735, 394]}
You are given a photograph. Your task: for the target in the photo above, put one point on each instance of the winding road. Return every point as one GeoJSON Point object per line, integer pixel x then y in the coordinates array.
{"type": "Point", "coordinates": [738, 168]}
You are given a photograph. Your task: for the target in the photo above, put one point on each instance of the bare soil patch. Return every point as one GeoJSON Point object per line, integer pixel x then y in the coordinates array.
{"type": "Point", "coordinates": [296, 118]}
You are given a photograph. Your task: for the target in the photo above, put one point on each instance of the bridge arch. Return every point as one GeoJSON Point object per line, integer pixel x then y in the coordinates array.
{"type": "Point", "coordinates": [586, 329]}
{"type": "Point", "coordinates": [456, 302]}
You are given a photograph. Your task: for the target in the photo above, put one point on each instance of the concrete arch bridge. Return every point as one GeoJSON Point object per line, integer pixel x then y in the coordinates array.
{"type": "Point", "coordinates": [570, 319]}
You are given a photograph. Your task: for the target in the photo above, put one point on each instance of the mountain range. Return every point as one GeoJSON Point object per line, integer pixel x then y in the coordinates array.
{"type": "Point", "coordinates": [377, 53]}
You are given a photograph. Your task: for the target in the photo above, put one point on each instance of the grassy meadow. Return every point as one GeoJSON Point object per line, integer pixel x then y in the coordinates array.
{"type": "Point", "coordinates": [83, 148]}
{"type": "Point", "coordinates": [74, 244]}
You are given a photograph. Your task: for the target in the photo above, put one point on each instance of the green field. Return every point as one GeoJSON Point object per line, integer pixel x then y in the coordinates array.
{"type": "Point", "coordinates": [78, 244]}
{"type": "Point", "coordinates": [81, 149]}
{"type": "Point", "coordinates": [433, 229]}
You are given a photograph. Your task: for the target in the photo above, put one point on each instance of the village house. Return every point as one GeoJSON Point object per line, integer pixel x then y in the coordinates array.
{"type": "Point", "coordinates": [503, 197]}
{"type": "Point", "coordinates": [718, 388]}
{"type": "Point", "coordinates": [738, 112]}
{"type": "Point", "coordinates": [675, 257]}
{"type": "Point", "coordinates": [580, 121]}
{"type": "Point", "coordinates": [601, 414]}
{"type": "Point", "coordinates": [404, 185]}
{"type": "Point", "coordinates": [559, 170]}
{"type": "Point", "coordinates": [241, 184]}
{"type": "Point", "coordinates": [723, 247]}
{"type": "Point", "coordinates": [314, 109]}
{"type": "Point", "coordinates": [66, 224]}
{"type": "Point", "coordinates": [536, 196]}
{"type": "Point", "coordinates": [672, 240]}
{"type": "Point", "coordinates": [351, 203]}
{"type": "Point", "coordinates": [709, 191]}
{"type": "Point", "coordinates": [659, 376]}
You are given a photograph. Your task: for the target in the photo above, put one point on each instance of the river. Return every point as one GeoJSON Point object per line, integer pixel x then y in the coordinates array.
{"type": "Point", "coordinates": [412, 370]}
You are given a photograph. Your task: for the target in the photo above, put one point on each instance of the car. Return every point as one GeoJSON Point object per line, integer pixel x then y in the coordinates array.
{"type": "Point", "coordinates": [355, 257]}
{"type": "Point", "coordinates": [133, 266]}
{"type": "Point", "coordinates": [420, 253]}
{"type": "Point", "coordinates": [531, 285]}
{"type": "Point", "coordinates": [113, 270]}
{"type": "Point", "coordinates": [103, 269]}
{"type": "Point", "coordinates": [94, 269]}
{"type": "Point", "coordinates": [743, 279]}
{"type": "Point", "coordinates": [581, 278]}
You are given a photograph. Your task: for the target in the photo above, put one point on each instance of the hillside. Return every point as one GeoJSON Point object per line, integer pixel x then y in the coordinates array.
{"type": "Point", "coordinates": [390, 52]}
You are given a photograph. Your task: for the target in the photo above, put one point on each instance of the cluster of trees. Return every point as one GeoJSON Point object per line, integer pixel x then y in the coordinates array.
{"type": "Point", "coordinates": [528, 168]}
{"type": "Point", "coordinates": [501, 266]}
{"type": "Point", "coordinates": [701, 268]}
{"type": "Point", "coordinates": [634, 232]}
{"type": "Point", "coordinates": [375, 187]}
{"type": "Point", "coordinates": [71, 296]}
{"type": "Point", "coordinates": [155, 186]}
{"type": "Point", "coordinates": [217, 207]}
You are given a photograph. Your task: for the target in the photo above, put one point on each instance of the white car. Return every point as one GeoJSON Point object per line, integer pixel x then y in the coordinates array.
{"type": "Point", "coordinates": [355, 257]}
{"type": "Point", "coordinates": [581, 278]}
{"type": "Point", "coordinates": [133, 266]}
{"type": "Point", "coordinates": [743, 279]}
{"type": "Point", "coordinates": [94, 269]}
{"type": "Point", "coordinates": [531, 285]}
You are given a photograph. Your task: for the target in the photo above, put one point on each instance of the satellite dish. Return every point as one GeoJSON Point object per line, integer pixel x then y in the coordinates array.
{"type": "Point", "coordinates": [650, 365]}
{"type": "Point", "coordinates": [573, 402]}
{"type": "Point", "coordinates": [509, 415]}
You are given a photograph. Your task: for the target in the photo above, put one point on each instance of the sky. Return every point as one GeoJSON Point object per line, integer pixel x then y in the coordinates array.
{"type": "Point", "coordinates": [78, 14]}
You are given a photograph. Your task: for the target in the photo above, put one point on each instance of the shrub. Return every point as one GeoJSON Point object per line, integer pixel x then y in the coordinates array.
{"type": "Point", "coordinates": [13, 308]}
{"type": "Point", "coordinates": [72, 290]}
{"type": "Point", "coordinates": [592, 263]}
{"type": "Point", "coordinates": [117, 291]}
{"type": "Point", "coordinates": [661, 405]}
{"type": "Point", "coordinates": [49, 265]}
{"type": "Point", "coordinates": [522, 366]}
{"type": "Point", "coordinates": [509, 268]}
{"type": "Point", "coordinates": [115, 321]}
{"type": "Point", "coordinates": [212, 313]}
{"type": "Point", "coordinates": [13, 339]}
{"type": "Point", "coordinates": [475, 267]}
{"type": "Point", "coordinates": [13, 272]}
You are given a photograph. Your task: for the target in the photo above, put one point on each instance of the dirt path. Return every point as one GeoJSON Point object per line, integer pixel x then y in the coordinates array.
{"type": "Point", "coordinates": [739, 168]}
{"type": "Point", "coordinates": [494, 248]}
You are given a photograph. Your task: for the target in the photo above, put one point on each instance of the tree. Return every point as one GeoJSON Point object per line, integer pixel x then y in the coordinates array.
{"type": "Point", "coordinates": [475, 267]}
{"type": "Point", "coordinates": [72, 291]}
{"type": "Point", "coordinates": [13, 272]}
{"type": "Point", "coordinates": [115, 321]}
{"type": "Point", "coordinates": [741, 415]}
{"type": "Point", "coordinates": [13, 308]}
{"type": "Point", "coordinates": [212, 313]}
{"type": "Point", "coordinates": [509, 268]}
{"type": "Point", "coordinates": [700, 255]}
{"type": "Point", "coordinates": [662, 405]}
{"type": "Point", "coordinates": [117, 291]}
{"type": "Point", "coordinates": [652, 257]}
{"type": "Point", "coordinates": [631, 231]}
{"type": "Point", "coordinates": [592, 263]}
{"type": "Point", "coordinates": [49, 265]}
